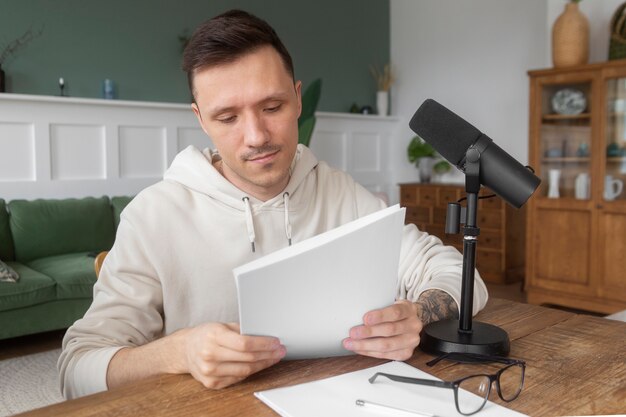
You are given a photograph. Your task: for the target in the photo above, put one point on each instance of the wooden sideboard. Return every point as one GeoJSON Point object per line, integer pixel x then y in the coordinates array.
{"type": "Point", "coordinates": [500, 249]}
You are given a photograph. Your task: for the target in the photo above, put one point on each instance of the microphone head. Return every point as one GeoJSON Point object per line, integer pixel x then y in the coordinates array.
{"type": "Point", "coordinates": [448, 133]}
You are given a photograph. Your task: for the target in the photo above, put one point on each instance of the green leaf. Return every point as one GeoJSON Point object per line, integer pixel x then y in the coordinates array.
{"type": "Point", "coordinates": [310, 99]}
{"type": "Point", "coordinates": [418, 149]}
{"type": "Point", "coordinates": [305, 131]}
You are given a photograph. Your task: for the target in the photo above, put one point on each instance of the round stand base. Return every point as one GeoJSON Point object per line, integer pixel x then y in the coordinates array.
{"type": "Point", "coordinates": [444, 337]}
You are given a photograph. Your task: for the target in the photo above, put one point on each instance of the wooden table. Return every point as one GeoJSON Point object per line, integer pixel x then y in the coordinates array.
{"type": "Point", "coordinates": [576, 365]}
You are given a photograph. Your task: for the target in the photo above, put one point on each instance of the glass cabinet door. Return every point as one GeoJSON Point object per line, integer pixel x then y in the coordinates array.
{"type": "Point", "coordinates": [615, 141]}
{"type": "Point", "coordinates": [565, 141]}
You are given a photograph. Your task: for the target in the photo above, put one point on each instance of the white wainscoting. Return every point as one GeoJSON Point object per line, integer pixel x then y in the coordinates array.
{"type": "Point", "coordinates": [58, 147]}
{"type": "Point", "coordinates": [358, 144]}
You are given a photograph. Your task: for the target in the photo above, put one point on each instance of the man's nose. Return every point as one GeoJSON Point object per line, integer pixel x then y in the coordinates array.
{"type": "Point", "coordinates": [255, 131]}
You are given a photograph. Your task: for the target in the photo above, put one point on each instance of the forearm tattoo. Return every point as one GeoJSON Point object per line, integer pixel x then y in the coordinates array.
{"type": "Point", "coordinates": [435, 305]}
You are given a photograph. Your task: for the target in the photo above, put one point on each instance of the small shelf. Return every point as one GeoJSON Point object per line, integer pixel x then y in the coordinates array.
{"type": "Point", "coordinates": [567, 159]}
{"type": "Point", "coordinates": [616, 159]}
{"type": "Point", "coordinates": [556, 117]}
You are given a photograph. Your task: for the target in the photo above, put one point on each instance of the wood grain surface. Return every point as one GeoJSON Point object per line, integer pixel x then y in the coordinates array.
{"type": "Point", "coordinates": [576, 365]}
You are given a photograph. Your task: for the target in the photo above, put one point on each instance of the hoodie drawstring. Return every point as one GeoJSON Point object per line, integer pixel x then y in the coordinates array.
{"type": "Point", "coordinates": [249, 222]}
{"type": "Point", "coordinates": [287, 224]}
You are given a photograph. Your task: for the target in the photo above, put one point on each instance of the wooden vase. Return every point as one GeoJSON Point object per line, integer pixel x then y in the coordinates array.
{"type": "Point", "coordinates": [570, 38]}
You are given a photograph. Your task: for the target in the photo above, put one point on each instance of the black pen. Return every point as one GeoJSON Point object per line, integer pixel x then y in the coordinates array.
{"type": "Point", "coordinates": [383, 407]}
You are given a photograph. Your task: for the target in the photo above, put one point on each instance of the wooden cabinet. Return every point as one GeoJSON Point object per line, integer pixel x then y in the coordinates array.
{"type": "Point", "coordinates": [576, 234]}
{"type": "Point", "coordinates": [500, 249]}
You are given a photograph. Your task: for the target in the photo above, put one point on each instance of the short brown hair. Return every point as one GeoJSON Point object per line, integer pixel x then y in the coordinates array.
{"type": "Point", "coordinates": [226, 38]}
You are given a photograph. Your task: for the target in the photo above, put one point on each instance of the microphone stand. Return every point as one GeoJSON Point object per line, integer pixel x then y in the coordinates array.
{"type": "Point", "coordinates": [464, 336]}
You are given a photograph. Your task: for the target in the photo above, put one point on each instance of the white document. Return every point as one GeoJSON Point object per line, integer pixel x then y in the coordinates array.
{"type": "Point", "coordinates": [337, 396]}
{"type": "Point", "coordinates": [310, 294]}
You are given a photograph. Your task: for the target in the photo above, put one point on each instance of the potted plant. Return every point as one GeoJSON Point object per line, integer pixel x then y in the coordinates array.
{"type": "Point", "coordinates": [423, 155]}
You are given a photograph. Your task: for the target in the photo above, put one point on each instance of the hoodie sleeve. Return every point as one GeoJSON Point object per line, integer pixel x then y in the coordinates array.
{"type": "Point", "coordinates": [426, 263]}
{"type": "Point", "coordinates": [126, 311]}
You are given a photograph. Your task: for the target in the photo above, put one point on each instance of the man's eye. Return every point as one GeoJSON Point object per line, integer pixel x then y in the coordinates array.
{"type": "Point", "coordinates": [229, 119]}
{"type": "Point", "coordinates": [273, 109]}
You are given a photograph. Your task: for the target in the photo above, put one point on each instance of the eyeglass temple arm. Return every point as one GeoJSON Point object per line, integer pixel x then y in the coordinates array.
{"type": "Point", "coordinates": [409, 380]}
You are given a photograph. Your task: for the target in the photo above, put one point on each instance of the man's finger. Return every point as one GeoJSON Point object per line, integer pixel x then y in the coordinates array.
{"type": "Point", "coordinates": [398, 311]}
{"type": "Point", "coordinates": [383, 344]}
{"type": "Point", "coordinates": [223, 354]}
{"type": "Point", "coordinates": [387, 329]}
{"type": "Point", "coordinates": [241, 369]}
{"type": "Point", "coordinates": [242, 343]}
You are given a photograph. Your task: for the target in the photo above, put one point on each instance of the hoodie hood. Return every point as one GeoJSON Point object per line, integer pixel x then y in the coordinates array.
{"type": "Point", "coordinates": [195, 170]}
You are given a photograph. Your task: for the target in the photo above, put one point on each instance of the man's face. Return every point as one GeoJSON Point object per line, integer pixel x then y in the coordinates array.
{"type": "Point", "coordinates": [250, 109]}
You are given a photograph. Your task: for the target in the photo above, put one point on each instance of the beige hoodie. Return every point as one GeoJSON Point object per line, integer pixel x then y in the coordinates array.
{"type": "Point", "coordinates": [178, 241]}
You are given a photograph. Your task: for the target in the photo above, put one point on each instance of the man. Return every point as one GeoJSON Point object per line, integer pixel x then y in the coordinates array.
{"type": "Point", "coordinates": [165, 301]}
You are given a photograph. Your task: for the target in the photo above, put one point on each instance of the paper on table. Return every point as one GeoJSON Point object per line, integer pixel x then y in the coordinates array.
{"type": "Point", "coordinates": [310, 294]}
{"type": "Point", "coordinates": [337, 396]}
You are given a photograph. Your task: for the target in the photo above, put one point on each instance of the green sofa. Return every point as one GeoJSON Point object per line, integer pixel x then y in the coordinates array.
{"type": "Point", "coordinates": [51, 244]}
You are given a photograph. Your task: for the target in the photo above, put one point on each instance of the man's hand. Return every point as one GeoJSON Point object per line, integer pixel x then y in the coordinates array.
{"type": "Point", "coordinates": [213, 353]}
{"type": "Point", "coordinates": [218, 356]}
{"type": "Point", "coordinates": [388, 333]}
{"type": "Point", "coordinates": [393, 332]}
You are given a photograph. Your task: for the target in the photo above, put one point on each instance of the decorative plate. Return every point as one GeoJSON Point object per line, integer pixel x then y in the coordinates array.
{"type": "Point", "coordinates": [569, 101]}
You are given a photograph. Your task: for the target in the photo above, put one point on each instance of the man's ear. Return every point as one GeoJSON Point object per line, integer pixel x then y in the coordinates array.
{"type": "Point", "coordinates": [196, 111]}
{"type": "Point", "coordinates": [298, 87]}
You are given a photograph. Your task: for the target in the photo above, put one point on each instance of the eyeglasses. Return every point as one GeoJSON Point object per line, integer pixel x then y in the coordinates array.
{"type": "Point", "coordinates": [472, 392]}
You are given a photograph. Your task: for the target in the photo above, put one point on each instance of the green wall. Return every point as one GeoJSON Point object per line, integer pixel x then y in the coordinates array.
{"type": "Point", "coordinates": [135, 43]}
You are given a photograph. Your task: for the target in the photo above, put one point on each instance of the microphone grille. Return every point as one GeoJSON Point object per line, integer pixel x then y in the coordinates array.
{"type": "Point", "coordinates": [448, 133]}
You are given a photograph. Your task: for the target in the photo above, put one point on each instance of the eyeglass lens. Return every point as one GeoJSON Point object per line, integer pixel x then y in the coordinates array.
{"type": "Point", "coordinates": [473, 393]}
{"type": "Point", "coordinates": [511, 379]}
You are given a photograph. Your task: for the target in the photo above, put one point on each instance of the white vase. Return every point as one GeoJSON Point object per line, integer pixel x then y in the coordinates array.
{"type": "Point", "coordinates": [425, 168]}
{"type": "Point", "coordinates": [554, 175]}
{"type": "Point", "coordinates": [382, 103]}
{"type": "Point", "coordinates": [581, 186]}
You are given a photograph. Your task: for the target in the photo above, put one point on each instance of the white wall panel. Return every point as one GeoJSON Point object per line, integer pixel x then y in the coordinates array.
{"type": "Point", "coordinates": [357, 144]}
{"type": "Point", "coordinates": [330, 147]}
{"type": "Point", "coordinates": [365, 153]}
{"type": "Point", "coordinates": [77, 152]}
{"type": "Point", "coordinates": [142, 152]}
{"type": "Point", "coordinates": [193, 137]}
{"type": "Point", "coordinates": [17, 148]}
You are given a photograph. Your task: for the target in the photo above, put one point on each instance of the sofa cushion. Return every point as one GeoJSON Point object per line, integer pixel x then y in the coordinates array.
{"type": "Point", "coordinates": [43, 228]}
{"type": "Point", "coordinates": [6, 240]}
{"type": "Point", "coordinates": [118, 204]}
{"type": "Point", "coordinates": [32, 288]}
{"type": "Point", "coordinates": [73, 274]}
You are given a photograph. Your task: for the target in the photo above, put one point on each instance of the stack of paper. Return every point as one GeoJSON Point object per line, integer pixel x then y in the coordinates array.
{"type": "Point", "coordinates": [310, 294]}
{"type": "Point", "coordinates": [337, 396]}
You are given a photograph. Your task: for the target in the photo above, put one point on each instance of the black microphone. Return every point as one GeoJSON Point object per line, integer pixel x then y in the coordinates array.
{"type": "Point", "coordinates": [452, 136]}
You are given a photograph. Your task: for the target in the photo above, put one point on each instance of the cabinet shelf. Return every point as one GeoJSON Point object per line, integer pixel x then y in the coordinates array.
{"type": "Point", "coordinates": [559, 117]}
{"type": "Point", "coordinates": [567, 159]}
